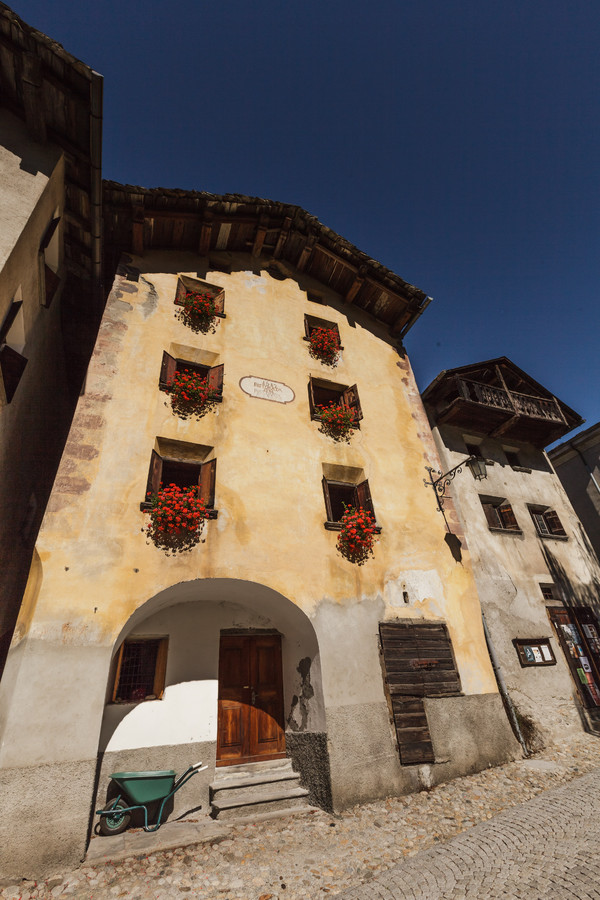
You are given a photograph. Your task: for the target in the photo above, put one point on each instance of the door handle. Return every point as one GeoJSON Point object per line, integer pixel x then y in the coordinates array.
{"type": "Point", "coordinates": [253, 700]}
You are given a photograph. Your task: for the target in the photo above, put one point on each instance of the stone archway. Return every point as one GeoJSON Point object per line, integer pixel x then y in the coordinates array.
{"type": "Point", "coordinates": [181, 727]}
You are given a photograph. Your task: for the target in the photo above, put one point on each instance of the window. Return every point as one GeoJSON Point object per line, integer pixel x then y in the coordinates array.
{"type": "Point", "coordinates": [534, 652]}
{"type": "Point", "coordinates": [324, 393]}
{"type": "Point", "coordinates": [141, 669]}
{"type": "Point", "coordinates": [499, 514]}
{"type": "Point", "coordinates": [549, 592]}
{"type": "Point", "coordinates": [311, 323]}
{"type": "Point", "coordinates": [12, 342]}
{"type": "Point", "coordinates": [339, 494]}
{"type": "Point", "coordinates": [49, 259]}
{"type": "Point", "coordinates": [184, 472]}
{"type": "Point", "coordinates": [512, 458]}
{"type": "Point", "coordinates": [185, 283]}
{"type": "Point", "coordinates": [546, 521]}
{"type": "Point", "coordinates": [170, 365]}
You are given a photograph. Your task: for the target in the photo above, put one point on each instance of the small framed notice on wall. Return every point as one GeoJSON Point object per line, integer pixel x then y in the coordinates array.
{"type": "Point", "coordinates": [535, 651]}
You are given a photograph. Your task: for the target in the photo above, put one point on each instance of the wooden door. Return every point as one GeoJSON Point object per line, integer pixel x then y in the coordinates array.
{"type": "Point", "coordinates": [250, 719]}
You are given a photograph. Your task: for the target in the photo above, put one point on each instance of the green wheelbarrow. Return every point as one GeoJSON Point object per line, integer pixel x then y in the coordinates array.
{"type": "Point", "coordinates": [138, 791]}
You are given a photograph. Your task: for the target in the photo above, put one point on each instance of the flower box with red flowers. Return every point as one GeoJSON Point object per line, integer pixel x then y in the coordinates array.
{"type": "Point", "coordinates": [358, 535]}
{"type": "Point", "coordinates": [324, 344]}
{"type": "Point", "coordinates": [191, 393]}
{"type": "Point", "coordinates": [177, 516]}
{"type": "Point", "coordinates": [337, 421]}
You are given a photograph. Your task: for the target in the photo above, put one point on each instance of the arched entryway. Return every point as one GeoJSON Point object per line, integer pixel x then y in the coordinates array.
{"type": "Point", "coordinates": [228, 671]}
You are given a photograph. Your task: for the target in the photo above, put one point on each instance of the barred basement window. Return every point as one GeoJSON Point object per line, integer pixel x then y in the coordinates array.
{"type": "Point", "coordinates": [499, 514]}
{"type": "Point", "coordinates": [546, 521]}
{"type": "Point", "coordinates": [141, 669]}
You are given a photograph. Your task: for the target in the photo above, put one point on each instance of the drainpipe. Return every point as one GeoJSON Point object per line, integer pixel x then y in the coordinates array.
{"type": "Point", "coordinates": [502, 688]}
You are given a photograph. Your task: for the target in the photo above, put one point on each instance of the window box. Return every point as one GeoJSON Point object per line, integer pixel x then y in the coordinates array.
{"type": "Point", "coordinates": [547, 524]}
{"type": "Point", "coordinates": [499, 515]}
{"type": "Point", "coordinates": [341, 494]}
{"type": "Point", "coordinates": [203, 319]}
{"type": "Point", "coordinates": [324, 340]}
{"type": "Point", "coordinates": [183, 473]}
{"type": "Point", "coordinates": [141, 669]}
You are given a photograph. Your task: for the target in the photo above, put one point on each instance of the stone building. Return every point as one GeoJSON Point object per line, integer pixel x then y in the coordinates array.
{"type": "Point", "coordinates": [50, 291]}
{"type": "Point", "coordinates": [261, 642]}
{"type": "Point", "coordinates": [577, 464]}
{"type": "Point", "coordinates": [537, 577]}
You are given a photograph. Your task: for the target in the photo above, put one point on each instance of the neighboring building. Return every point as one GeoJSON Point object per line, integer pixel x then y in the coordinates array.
{"type": "Point", "coordinates": [261, 641]}
{"type": "Point", "coordinates": [537, 578]}
{"type": "Point", "coordinates": [577, 464]}
{"type": "Point", "coordinates": [50, 293]}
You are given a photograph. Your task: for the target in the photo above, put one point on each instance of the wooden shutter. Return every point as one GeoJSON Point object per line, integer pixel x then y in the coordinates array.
{"type": "Point", "coordinates": [327, 500]}
{"type": "Point", "coordinates": [363, 497]}
{"type": "Point", "coordinates": [167, 369]}
{"type": "Point", "coordinates": [507, 517]}
{"type": "Point", "coordinates": [118, 672]}
{"type": "Point", "coordinates": [350, 399]}
{"type": "Point", "coordinates": [160, 671]}
{"type": "Point", "coordinates": [206, 483]}
{"type": "Point", "coordinates": [12, 366]}
{"type": "Point", "coordinates": [180, 293]}
{"type": "Point", "coordinates": [220, 303]}
{"type": "Point", "coordinates": [314, 412]}
{"type": "Point", "coordinates": [306, 328]}
{"type": "Point", "coordinates": [154, 474]}
{"type": "Point", "coordinates": [553, 522]}
{"type": "Point", "coordinates": [215, 378]}
{"type": "Point", "coordinates": [491, 515]}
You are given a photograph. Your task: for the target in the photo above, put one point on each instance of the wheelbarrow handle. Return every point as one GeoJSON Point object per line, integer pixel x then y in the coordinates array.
{"type": "Point", "coordinates": [198, 767]}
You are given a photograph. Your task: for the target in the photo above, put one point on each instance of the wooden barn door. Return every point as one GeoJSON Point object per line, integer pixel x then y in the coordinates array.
{"type": "Point", "coordinates": [250, 721]}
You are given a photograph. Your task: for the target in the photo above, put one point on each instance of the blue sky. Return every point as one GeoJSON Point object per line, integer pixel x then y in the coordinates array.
{"type": "Point", "coordinates": [456, 142]}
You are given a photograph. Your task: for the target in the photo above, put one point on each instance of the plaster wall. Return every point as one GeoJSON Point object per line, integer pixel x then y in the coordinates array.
{"type": "Point", "coordinates": [510, 567]}
{"type": "Point", "coordinates": [98, 575]}
{"type": "Point", "coordinates": [32, 425]}
{"type": "Point", "coordinates": [577, 464]}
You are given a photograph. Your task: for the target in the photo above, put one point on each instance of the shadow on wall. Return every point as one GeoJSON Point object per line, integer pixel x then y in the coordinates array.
{"type": "Point", "coordinates": [573, 594]}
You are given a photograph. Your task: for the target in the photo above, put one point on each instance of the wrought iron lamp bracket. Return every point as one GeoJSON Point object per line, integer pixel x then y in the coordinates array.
{"type": "Point", "coordinates": [440, 484]}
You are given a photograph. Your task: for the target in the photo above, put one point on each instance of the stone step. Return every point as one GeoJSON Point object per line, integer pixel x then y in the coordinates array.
{"type": "Point", "coordinates": [222, 787]}
{"type": "Point", "coordinates": [226, 773]}
{"type": "Point", "coordinates": [247, 793]}
{"type": "Point", "coordinates": [260, 803]}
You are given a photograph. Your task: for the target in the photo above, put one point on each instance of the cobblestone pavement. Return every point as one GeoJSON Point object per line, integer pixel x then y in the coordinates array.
{"type": "Point", "coordinates": [316, 855]}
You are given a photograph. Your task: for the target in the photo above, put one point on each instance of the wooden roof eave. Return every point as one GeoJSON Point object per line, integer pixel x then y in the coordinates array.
{"type": "Point", "coordinates": [128, 207]}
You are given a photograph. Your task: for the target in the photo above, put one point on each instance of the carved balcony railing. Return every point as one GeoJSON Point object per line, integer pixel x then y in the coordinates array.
{"type": "Point", "coordinates": [512, 401]}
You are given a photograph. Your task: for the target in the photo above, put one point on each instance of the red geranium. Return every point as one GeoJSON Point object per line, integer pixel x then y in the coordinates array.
{"type": "Point", "coordinates": [177, 517]}
{"type": "Point", "coordinates": [191, 393]}
{"type": "Point", "coordinates": [337, 421]}
{"type": "Point", "coordinates": [358, 535]}
{"type": "Point", "coordinates": [324, 344]}
{"type": "Point", "coordinates": [199, 311]}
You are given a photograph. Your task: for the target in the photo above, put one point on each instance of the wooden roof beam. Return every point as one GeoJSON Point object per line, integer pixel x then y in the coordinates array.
{"type": "Point", "coordinates": [261, 233]}
{"type": "Point", "coordinates": [137, 231]}
{"type": "Point", "coordinates": [32, 97]}
{"type": "Point", "coordinates": [355, 287]}
{"type": "Point", "coordinates": [307, 250]}
{"type": "Point", "coordinates": [205, 234]}
{"type": "Point", "coordinates": [283, 236]}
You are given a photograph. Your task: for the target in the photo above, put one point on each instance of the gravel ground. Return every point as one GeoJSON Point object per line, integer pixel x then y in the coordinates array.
{"type": "Point", "coordinates": [315, 855]}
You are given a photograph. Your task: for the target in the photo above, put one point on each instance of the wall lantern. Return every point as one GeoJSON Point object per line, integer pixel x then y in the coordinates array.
{"type": "Point", "coordinates": [475, 463]}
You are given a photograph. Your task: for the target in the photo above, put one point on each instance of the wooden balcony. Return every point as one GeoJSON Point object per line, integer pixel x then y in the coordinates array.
{"type": "Point", "coordinates": [499, 412]}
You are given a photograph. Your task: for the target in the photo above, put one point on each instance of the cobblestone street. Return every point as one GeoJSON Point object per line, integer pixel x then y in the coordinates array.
{"type": "Point", "coordinates": [546, 849]}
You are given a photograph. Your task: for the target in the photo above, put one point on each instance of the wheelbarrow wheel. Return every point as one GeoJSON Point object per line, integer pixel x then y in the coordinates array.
{"type": "Point", "coordinates": [115, 821]}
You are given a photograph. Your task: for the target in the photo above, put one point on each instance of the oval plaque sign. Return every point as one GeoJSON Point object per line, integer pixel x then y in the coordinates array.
{"type": "Point", "coordinates": [263, 389]}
